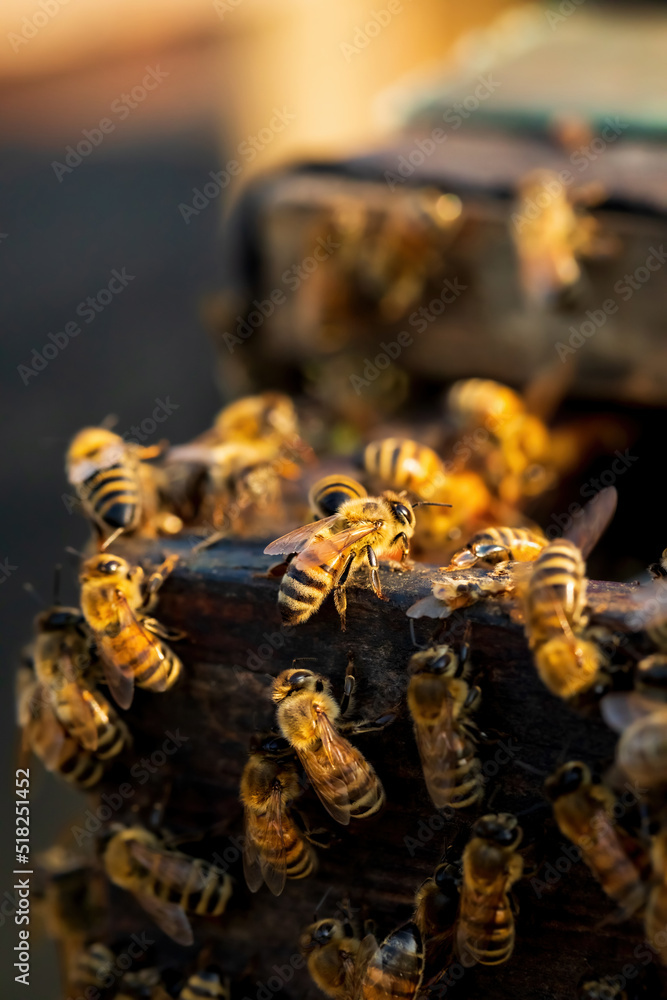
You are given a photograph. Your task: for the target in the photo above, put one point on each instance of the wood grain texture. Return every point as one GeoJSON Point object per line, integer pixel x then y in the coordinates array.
{"type": "Point", "coordinates": [235, 645]}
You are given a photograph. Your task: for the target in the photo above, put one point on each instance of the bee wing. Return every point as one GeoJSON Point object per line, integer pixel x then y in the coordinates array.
{"type": "Point", "coordinates": [295, 541]}
{"type": "Point", "coordinates": [547, 389]}
{"type": "Point", "coordinates": [429, 607]}
{"type": "Point", "coordinates": [175, 869]}
{"type": "Point", "coordinates": [397, 964]}
{"type": "Point", "coordinates": [252, 868]}
{"type": "Point", "coordinates": [169, 917]}
{"type": "Point", "coordinates": [326, 550]}
{"type": "Point", "coordinates": [649, 606]}
{"type": "Point", "coordinates": [274, 872]}
{"type": "Point", "coordinates": [326, 771]}
{"type": "Point", "coordinates": [620, 709]}
{"type": "Point", "coordinates": [366, 962]}
{"type": "Point", "coordinates": [119, 675]}
{"type": "Point", "coordinates": [439, 746]}
{"type": "Point", "coordinates": [85, 712]}
{"type": "Point", "coordinates": [46, 736]}
{"type": "Point", "coordinates": [587, 530]}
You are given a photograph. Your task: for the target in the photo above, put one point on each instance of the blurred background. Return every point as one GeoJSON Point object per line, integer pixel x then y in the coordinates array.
{"type": "Point", "coordinates": [129, 129]}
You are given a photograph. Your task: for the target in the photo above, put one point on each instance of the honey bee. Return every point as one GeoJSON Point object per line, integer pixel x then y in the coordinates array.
{"type": "Point", "coordinates": [205, 985]}
{"type": "Point", "coordinates": [129, 643]}
{"type": "Point", "coordinates": [45, 736]}
{"type": "Point", "coordinates": [253, 445]}
{"type": "Point", "coordinates": [328, 495]}
{"type": "Point", "coordinates": [440, 702]}
{"type": "Point", "coordinates": [309, 719]}
{"type": "Point", "coordinates": [515, 444]}
{"type": "Point", "coordinates": [328, 551]}
{"type": "Point", "coordinates": [491, 865]}
{"type": "Point", "coordinates": [403, 464]}
{"type": "Point", "coordinates": [92, 965]}
{"type": "Point", "coordinates": [166, 883]}
{"type": "Point", "coordinates": [275, 849]}
{"type": "Point", "coordinates": [555, 604]}
{"type": "Point", "coordinates": [655, 918]}
{"type": "Point", "coordinates": [111, 481]}
{"type": "Point", "coordinates": [584, 813]}
{"type": "Point", "coordinates": [550, 244]}
{"type": "Point", "coordinates": [436, 909]}
{"type": "Point", "coordinates": [346, 968]}
{"type": "Point", "coordinates": [62, 659]}
{"type": "Point", "coordinates": [497, 545]}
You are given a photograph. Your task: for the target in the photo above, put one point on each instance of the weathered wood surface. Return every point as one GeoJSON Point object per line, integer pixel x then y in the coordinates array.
{"type": "Point", "coordinates": [235, 645]}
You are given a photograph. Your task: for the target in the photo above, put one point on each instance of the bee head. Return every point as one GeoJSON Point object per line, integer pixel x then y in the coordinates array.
{"type": "Point", "coordinates": [502, 829]}
{"type": "Point", "coordinates": [567, 779]}
{"type": "Point", "coordinates": [320, 934]}
{"type": "Point", "coordinates": [89, 442]}
{"type": "Point", "coordinates": [57, 619]}
{"type": "Point", "coordinates": [435, 660]}
{"type": "Point", "coordinates": [271, 745]}
{"type": "Point", "coordinates": [651, 673]}
{"type": "Point", "coordinates": [294, 680]}
{"type": "Point", "coordinates": [104, 566]}
{"type": "Point", "coordinates": [447, 878]}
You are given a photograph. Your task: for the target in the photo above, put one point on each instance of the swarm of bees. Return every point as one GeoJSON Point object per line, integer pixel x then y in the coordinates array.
{"type": "Point", "coordinates": [244, 477]}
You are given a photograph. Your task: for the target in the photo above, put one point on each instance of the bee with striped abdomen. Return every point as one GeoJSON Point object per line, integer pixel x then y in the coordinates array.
{"type": "Point", "coordinates": [403, 464]}
{"type": "Point", "coordinates": [111, 482]}
{"type": "Point", "coordinates": [206, 984]}
{"type": "Point", "coordinates": [274, 848]}
{"type": "Point", "coordinates": [655, 917]}
{"type": "Point", "coordinates": [440, 702]}
{"type": "Point", "coordinates": [115, 598]}
{"type": "Point", "coordinates": [567, 661]}
{"type": "Point", "coordinates": [495, 545]}
{"type": "Point", "coordinates": [491, 865]}
{"type": "Point", "coordinates": [436, 909]}
{"type": "Point", "coordinates": [330, 550]}
{"type": "Point", "coordinates": [328, 494]}
{"type": "Point", "coordinates": [584, 813]}
{"type": "Point", "coordinates": [63, 658]}
{"type": "Point", "coordinates": [309, 719]}
{"type": "Point", "coordinates": [166, 883]}
{"type": "Point", "coordinates": [346, 968]}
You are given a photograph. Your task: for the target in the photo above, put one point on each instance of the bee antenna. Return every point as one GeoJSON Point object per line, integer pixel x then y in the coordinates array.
{"type": "Point", "coordinates": [34, 593]}
{"type": "Point", "coordinates": [315, 911]}
{"type": "Point", "coordinates": [74, 552]}
{"type": "Point", "coordinates": [417, 645]}
{"type": "Point", "coordinates": [300, 659]}
{"type": "Point", "coordinates": [428, 503]}
{"type": "Point", "coordinates": [109, 421]}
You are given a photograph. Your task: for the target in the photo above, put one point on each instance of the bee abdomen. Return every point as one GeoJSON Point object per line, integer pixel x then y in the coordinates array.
{"type": "Point", "coordinates": [112, 737]}
{"type": "Point", "coordinates": [203, 986]}
{"type": "Point", "coordinates": [113, 494]}
{"type": "Point", "coordinates": [299, 856]}
{"type": "Point", "coordinates": [398, 973]}
{"type": "Point", "coordinates": [301, 593]}
{"type": "Point", "coordinates": [489, 932]}
{"type": "Point", "coordinates": [79, 766]}
{"type": "Point", "coordinates": [212, 899]}
{"type": "Point", "coordinates": [328, 494]}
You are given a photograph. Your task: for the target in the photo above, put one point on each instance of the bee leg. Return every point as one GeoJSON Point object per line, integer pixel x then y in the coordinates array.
{"type": "Point", "coordinates": [170, 634]}
{"type": "Point", "coordinates": [375, 576]}
{"type": "Point", "coordinates": [156, 579]}
{"type": "Point", "coordinates": [350, 685]}
{"type": "Point", "coordinates": [340, 597]}
{"type": "Point", "coordinates": [368, 725]}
